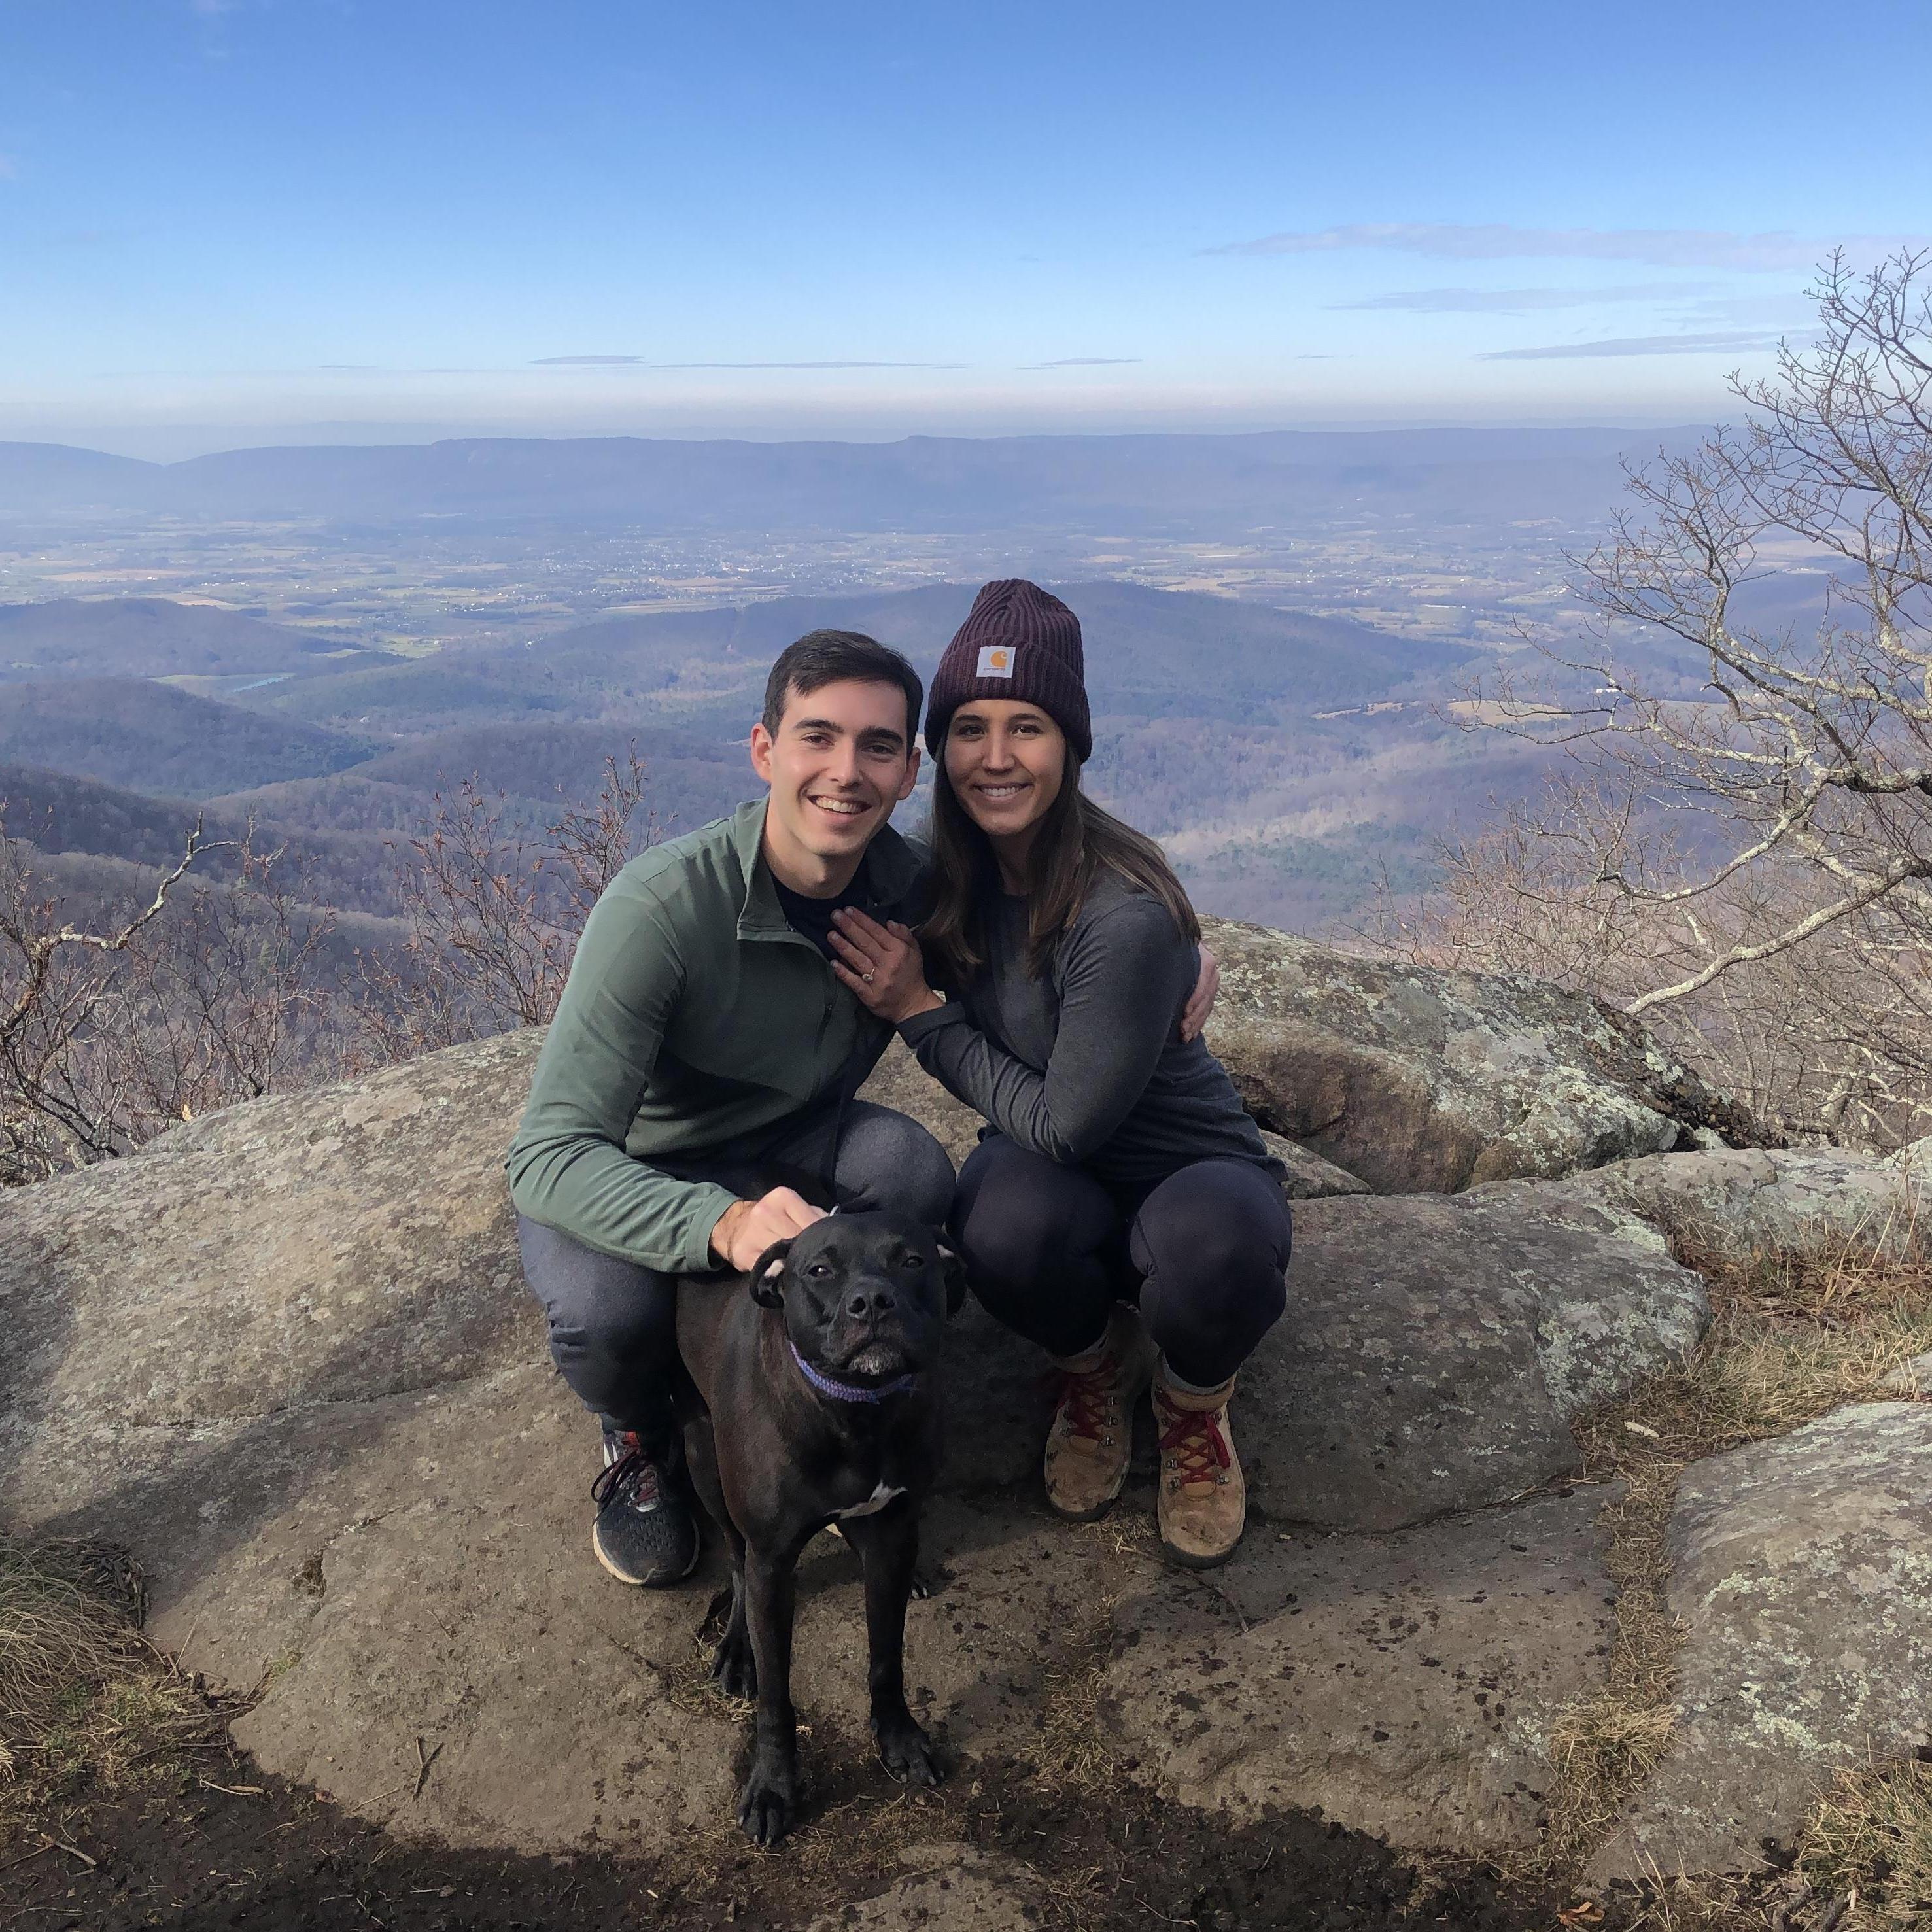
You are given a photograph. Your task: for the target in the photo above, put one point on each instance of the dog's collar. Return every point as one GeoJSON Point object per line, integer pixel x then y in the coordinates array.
{"type": "Point", "coordinates": [848, 1391]}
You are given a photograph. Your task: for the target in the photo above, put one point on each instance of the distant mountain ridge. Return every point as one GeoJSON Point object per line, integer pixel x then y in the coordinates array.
{"type": "Point", "coordinates": [1130, 481]}
{"type": "Point", "coordinates": [154, 739]}
{"type": "Point", "coordinates": [154, 636]}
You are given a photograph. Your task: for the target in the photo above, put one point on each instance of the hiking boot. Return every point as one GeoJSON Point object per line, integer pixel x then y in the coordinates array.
{"type": "Point", "coordinates": [644, 1532]}
{"type": "Point", "coordinates": [1093, 1435]}
{"type": "Point", "coordinates": [1202, 1503]}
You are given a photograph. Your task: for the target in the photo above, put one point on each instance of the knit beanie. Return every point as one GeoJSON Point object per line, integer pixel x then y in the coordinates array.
{"type": "Point", "coordinates": [1019, 642]}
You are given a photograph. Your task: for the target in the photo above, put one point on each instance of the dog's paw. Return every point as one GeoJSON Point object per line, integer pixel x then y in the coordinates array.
{"type": "Point", "coordinates": [907, 1753]}
{"type": "Point", "coordinates": [734, 1669]}
{"type": "Point", "coordinates": [770, 1799]}
{"type": "Point", "coordinates": [928, 1580]}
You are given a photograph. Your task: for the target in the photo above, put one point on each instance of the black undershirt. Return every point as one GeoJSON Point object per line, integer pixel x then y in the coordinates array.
{"type": "Point", "coordinates": [812, 918]}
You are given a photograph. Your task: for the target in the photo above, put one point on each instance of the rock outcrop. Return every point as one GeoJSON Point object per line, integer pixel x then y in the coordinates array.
{"type": "Point", "coordinates": [1801, 1569]}
{"type": "Point", "coordinates": [1420, 1080]}
{"type": "Point", "coordinates": [285, 1355]}
{"type": "Point", "coordinates": [354, 1244]}
{"type": "Point", "coordinates": [1437, 1346]}
{"type": "Point", "coordinates": [1731, 1200]}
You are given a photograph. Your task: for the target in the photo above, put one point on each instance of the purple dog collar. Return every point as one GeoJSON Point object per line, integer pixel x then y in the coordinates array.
{"type": "Point", "coordinates": [848, 1391]}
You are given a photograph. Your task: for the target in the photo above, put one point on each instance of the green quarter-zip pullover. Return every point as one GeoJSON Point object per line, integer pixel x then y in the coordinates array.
{"type": "Point", "coordinates": [694, 1020]}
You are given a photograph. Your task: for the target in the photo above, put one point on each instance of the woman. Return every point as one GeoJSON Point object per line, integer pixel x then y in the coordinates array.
{"type": "Point", "coordinates": [1119, 1164]}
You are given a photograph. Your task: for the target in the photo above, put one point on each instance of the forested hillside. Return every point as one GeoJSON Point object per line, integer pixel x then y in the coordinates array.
{"type": "Point", "coordinates": [1208, 729]}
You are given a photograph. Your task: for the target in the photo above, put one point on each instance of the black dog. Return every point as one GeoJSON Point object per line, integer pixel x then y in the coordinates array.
{"type": "Point", "coordinates": [816, 1383]}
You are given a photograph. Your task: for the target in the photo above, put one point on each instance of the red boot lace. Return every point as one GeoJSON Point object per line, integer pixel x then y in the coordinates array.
{"type": "Point", "coordinates": [1193, 1438]}
{"type": "Point", "coordinates": [1083, 1396]}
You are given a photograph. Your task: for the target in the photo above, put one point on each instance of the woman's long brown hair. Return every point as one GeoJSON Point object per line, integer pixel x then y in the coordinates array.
{"type": "Point", "coordinates": [1077, 841]}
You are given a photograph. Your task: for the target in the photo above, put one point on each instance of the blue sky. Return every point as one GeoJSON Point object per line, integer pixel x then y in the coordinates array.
{"type": "Point", "coordinates": [227, 220]}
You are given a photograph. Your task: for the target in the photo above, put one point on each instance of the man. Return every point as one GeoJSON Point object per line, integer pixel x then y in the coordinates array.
{"type": "Point", "coordinates": [701, 1043]}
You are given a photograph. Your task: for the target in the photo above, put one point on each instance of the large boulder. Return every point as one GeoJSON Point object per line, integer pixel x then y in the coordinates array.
{"type": "Point", "coordinates": [1435, 1348]}
{"type": "Point", "coordinates": [1416, 1079]}
{"type": "Point", "coordinates": [1802, 1571]}
{"type": "Point", "coordinates": [286, 1356]}
{"type": "Point", "coordinates": [339, 1245]}
{"type": "Point", "coordinates": [899, 1080]}
{"type": "Point", "coordinates": [355, 1243]}
{"type": "Point", "coordinates": [1730, 1202]}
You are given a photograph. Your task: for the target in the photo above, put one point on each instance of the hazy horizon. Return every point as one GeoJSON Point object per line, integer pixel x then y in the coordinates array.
{"type": "Point", "coordinates": [185, 442]}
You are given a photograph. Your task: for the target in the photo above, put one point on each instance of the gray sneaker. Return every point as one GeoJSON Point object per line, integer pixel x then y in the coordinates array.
{"type": "Point", "coordinates": [645, 1533]}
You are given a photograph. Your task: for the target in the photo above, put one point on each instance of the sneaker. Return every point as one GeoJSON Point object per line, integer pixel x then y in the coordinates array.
{"type": "Point", "coordinates": [1201, 1507]}
{"type": "Point", "coordinates": [1089, 1444]}
{"type": "Point", "coordinates": [644, 1533]}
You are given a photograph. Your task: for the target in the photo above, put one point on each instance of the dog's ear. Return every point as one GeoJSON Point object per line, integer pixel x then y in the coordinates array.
{"type": "Point", "coordinates": [765, 1271]}
{"type": "Point", "coordinates": [955, 1269]}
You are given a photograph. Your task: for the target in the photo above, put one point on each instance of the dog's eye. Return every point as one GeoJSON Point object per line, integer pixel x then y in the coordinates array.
{"type": "Point", "coordinates": [821, 1269]}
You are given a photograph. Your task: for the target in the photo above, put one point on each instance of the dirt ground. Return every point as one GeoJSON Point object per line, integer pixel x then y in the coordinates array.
{"type": "Point", "coordinates": [212, 1844]}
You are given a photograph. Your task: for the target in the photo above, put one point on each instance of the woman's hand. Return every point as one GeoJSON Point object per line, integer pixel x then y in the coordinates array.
{"type": "Point", "coordinates": [1200, 1001]}
{"type": "Point", "coordinates": [882, 965]}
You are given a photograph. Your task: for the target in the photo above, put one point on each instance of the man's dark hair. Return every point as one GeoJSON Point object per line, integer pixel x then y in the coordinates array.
{"type": "Point", "coordinates": [832, 657]}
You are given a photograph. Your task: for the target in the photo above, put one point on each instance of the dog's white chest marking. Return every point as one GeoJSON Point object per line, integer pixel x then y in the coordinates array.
{"type": "Point", "coordinates": [873, 1504]}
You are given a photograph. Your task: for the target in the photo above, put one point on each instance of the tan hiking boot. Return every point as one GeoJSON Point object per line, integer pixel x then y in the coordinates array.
{"type": "Point", "coordinates": [1092, 1436]}
{"type": "Point", "coordinates": [1202, 1503]}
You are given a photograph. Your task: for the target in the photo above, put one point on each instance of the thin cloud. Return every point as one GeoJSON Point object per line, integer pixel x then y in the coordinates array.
{"type": "Point", "coordinates": [1518, 301]}
{"type": "Point", "coordinates": [811, 365]}
{"type": "Point", "coordinates": [1641, 345]}
{"type": "Point", "coordinates": [644, 362]}
{"type": "Point", "coordinates": [1789, 310]}
{"type": "Point", "coordinates": [1495, 241]}
{"type": "Point", "coordinates": [1084, 362]}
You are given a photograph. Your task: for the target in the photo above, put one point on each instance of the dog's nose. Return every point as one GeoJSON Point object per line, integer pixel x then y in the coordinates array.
{"type": "Point", "coordinates": [877, 1301]}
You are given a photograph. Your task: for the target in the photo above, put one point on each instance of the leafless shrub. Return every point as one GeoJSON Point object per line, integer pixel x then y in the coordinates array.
{"type": "Point", "coordinates": [196, 997]}
{"type": "Point", "coordinates": [1750, 870]}
{"type": "Point", "coordinates": [227, 1002]}
{"type": "Point", "coordinates": [1826, 1040]}
{"type": "Point", "coordinates": [62, 1092]}
{"type": "Point", "coordinates": [494, 908]}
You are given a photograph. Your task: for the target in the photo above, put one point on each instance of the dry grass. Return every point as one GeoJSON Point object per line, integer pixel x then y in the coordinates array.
{"type": "Point", "coordinates": [83, 1696]}
{"type": "Point", "coordinates": [1870, 1841]}
{"type": "Point", "coordinates": [1794, 1333]}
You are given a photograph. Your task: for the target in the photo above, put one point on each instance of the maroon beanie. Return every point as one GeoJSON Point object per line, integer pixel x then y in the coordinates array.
{"type": "Point", "coordinates": [1018, 642]}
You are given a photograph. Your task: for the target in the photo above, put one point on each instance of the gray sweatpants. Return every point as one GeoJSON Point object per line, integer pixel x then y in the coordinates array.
{"type": "Point", "coordinates": [613, 1324]}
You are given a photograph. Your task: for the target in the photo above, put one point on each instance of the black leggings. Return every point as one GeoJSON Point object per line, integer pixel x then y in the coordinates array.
{"type": "Point", "coordinates": [1048, 1250]}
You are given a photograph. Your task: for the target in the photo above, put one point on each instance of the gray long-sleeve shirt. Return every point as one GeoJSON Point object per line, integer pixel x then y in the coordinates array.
{"type": "Point", "coordinates": [1085, 1064]}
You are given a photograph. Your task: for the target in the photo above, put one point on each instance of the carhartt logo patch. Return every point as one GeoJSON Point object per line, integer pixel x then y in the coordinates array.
{"type": "Point", "coordinates": [996, 661]}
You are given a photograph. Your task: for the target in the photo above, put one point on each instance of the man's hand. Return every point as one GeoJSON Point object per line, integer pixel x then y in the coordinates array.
{"type": "Point", "coordinates": [1200, 1001]}
{"type": "Point", "coordinates": [747, 1228]}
